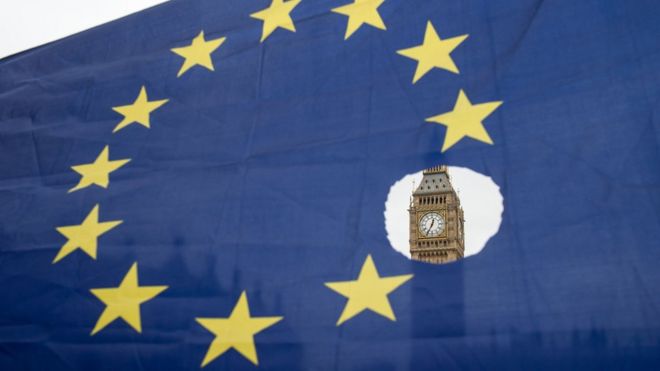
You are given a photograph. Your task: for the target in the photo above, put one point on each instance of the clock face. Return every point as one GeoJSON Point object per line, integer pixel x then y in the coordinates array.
{"type": "Point", "coordinates": [431, 225]}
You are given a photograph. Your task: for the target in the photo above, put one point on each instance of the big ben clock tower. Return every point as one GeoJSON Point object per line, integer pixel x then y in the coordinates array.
{"type": "Point", "coordinates": [436, 219]}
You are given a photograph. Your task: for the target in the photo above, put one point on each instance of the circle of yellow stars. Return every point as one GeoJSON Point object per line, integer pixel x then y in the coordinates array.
{"type": "Point", "coordinates": [369, 291]}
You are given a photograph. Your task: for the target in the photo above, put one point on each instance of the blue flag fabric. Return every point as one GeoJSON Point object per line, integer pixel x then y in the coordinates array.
{"type": "Point", "coordinates": [225, 205]}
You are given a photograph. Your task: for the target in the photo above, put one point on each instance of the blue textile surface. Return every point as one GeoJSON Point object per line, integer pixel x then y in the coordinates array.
{"type": "Point", "coordinates": [269, 175]}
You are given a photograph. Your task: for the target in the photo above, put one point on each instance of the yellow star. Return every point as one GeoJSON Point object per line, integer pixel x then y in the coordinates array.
{"type": "Point", "coordinates": [97, 172]}
{"type": "Point", "coordinates": [278, 14]}
{"type": "Point", "coordinates": [434, 52]}
{"type": "Point", "coordinates": [359, 13]}
{"type": "Point", "coordinates": [465, 120]}
{"type": "Point", "coordinates": [198, 53]}
{"type": "Point", "coordinates": [124, 301]}
{"type": "Point", "coordinates": [138, 111]}
{"type": "Point", "coordinates": [84, 236]}
{"type": "Point", "coordinates": [236, 332]}
{"type": "Point", "coordinates": [369, 291]}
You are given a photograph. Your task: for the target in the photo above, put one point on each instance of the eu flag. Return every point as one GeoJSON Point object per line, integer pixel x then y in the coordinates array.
{"type": "Point", "coordinates": [202, 184]}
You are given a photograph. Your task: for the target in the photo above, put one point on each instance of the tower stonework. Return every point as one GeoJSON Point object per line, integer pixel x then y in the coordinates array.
{"type": "Point", "coordinates": [436, 219]}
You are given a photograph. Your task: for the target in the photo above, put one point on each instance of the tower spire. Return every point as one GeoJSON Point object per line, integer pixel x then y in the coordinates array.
{"type": "Point", "coordinates": [436, 219]}
{"type": "Point", "coordinates": [436, 169]}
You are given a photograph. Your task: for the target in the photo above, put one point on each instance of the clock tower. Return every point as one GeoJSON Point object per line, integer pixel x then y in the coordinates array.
{"type": "Point", "coordinates": [436, 219]}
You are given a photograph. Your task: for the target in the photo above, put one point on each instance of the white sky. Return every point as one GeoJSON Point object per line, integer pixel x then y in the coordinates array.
{"type": "Point", "coordinates": [480, 198]}
{"type": "Point", "coordinates": [25, 24]}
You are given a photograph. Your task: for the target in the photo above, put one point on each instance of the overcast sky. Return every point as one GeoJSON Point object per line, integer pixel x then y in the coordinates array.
{"type": "Point", "coordinates": [25, 24]}
{"type": "Point", "coordinates": [480, 198]}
